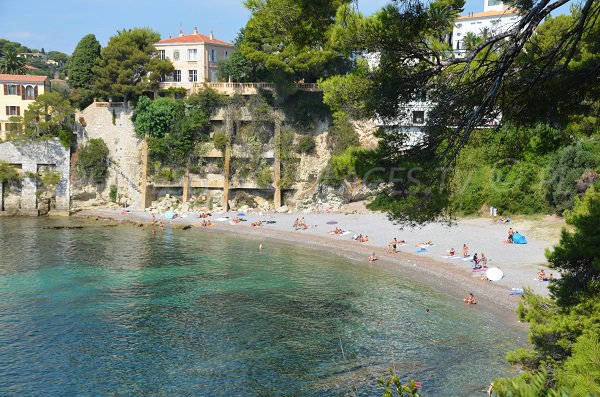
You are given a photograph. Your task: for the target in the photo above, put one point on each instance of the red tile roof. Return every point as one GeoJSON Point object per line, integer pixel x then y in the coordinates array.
{"type": "Point", "coordinates": [486, 14]}
{"type": "Point", "coordinates": [194, 38]}
{"type": "Point", "coordinates": [23, 78]}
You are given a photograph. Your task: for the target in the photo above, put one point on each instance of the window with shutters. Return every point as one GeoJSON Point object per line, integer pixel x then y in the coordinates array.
{"type": "Point", "coordinates": [13, 89]}
{"type": "Point", "coordinates": [29, 93]}
{"type": "Point", "coordinates": [13, 110]}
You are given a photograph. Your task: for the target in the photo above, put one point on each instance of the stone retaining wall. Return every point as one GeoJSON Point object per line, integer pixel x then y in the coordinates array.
{"type": "Point", "coordinates": [29, 156]}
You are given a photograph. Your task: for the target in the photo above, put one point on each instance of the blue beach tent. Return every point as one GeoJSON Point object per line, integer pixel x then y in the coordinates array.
{"type": "Point", "coordinates": [518, 238]}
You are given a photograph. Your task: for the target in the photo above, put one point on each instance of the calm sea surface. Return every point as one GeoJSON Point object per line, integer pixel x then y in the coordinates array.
{"type": "Point", "coordinates": [114, 311]}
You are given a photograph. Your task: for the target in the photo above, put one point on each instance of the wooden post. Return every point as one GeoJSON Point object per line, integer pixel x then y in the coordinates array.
{"type": "Point", "coordinates": [145, 199]}
{"type": "Point", "coordinates": [186, 183]}
{"type": "Point", "coordinates": [277, 162]}
{"type": "Point", "coordinates": [227, 158]}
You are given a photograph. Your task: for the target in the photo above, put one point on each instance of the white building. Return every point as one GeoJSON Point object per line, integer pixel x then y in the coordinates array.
{"type": "Point", "coordinates": [195, 58]}
{"type": "Point", "coordinates": [496, 18]}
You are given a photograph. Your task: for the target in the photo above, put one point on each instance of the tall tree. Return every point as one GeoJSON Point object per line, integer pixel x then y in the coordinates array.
{"type": "Point", "coordinates": [237, 67]}
{"type": "Point", "coordinates": [11, 63]}
{"type": "Point", "coordinates": [289, 38]}
{"type": "Point", "coordinates": [85, 56]}
{"type": "Point", "coordinates": [129, 66]}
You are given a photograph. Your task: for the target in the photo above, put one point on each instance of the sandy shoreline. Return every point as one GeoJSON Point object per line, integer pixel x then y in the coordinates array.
{"type": "Point", "coordinates": [519, 263]}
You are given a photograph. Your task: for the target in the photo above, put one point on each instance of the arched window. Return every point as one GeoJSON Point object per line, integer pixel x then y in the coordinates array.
{"type": "Point", "coordinates": [29, 92]}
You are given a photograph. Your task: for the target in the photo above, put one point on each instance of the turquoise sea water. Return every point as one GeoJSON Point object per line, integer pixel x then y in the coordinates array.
{"type": "Point", "coordinates": [115, 311]}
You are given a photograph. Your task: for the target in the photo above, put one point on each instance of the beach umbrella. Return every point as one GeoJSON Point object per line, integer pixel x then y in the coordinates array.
{"type": "Point", "coordinates": [169, 215]}
{"type": "Point", "coordinates": [332, 223]}
{"type": "Point", "coordinates": [494, 274]}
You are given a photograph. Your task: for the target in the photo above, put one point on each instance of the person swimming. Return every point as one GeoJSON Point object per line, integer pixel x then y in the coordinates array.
{"type": "Point", "coordinates": [470, 299]}
{"type": "Point", "coordinates": [373, 257]}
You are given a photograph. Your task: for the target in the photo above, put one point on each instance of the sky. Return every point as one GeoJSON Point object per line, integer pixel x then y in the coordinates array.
{"type": "Point", "coordinates": [59, 24]}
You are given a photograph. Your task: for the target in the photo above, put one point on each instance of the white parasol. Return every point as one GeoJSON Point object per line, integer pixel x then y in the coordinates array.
{"type": "Point", "coordinates": [494, 274]}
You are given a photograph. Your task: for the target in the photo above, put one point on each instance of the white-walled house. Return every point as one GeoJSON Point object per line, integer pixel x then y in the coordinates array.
{"type": "Point", "coordinates": [496, 18]}
{"type": "Point", "coordinates": [195, 58]}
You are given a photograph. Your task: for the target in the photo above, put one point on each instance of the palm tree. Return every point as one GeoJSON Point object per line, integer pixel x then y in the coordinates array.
{"type": "Point", "coordinates": [11, 63]}
{"type": "Point", "coordinates": [441, 18]}
{"type": "Point", "coordinates": [470, 41]}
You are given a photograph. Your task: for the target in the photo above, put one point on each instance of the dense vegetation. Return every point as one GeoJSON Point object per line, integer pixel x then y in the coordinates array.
{"type": "Point", "coordinates": [564, 359]}
{"type": "Point", "coordinates": [93, 161]}
{"type": "Point", "coordinates": [12, 64]}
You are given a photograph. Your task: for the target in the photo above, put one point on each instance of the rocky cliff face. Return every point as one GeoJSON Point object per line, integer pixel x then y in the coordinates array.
{"type": "Point", "coordinates": [114, 126]}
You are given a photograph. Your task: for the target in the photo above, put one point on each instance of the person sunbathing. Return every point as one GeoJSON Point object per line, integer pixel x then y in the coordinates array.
{"type": "Point", "coordinates": [256, 224]}
{"type": "Point", "coordinates": [551, 277]}
{"type": "Point", "coordinates": [373, 258]}
{"type": "Point", "coordinates": [542, 275]}
{"type": "Point", "coordinates": [236, 220]}
{"type": "Point", "coordinates": [470, 299]}
{"type": "Point", "coordinates": [451, 252]}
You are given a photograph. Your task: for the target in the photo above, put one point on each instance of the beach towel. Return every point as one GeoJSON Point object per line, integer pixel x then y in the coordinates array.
{"type": "Point", "coordinates": [518, 238]}
{"type": "Point", "coordinates": [516, 291]}
{"type": "Point", "coordinates": [420, 251]}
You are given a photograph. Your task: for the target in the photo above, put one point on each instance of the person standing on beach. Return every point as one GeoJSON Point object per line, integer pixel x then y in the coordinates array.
{"type": "Point", "coordinates": [465, 251]}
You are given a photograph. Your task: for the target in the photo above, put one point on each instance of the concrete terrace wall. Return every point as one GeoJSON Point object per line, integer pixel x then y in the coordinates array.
{"type": "Point", "coordinates": [112, 123]}
{"type": "Point", "coordinates": [32, 155]}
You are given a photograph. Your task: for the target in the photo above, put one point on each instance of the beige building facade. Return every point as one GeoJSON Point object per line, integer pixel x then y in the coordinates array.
{"type": "Point", "coordinates": [195, 58]}
{"type": "Point", "coordinates": [16, 93]}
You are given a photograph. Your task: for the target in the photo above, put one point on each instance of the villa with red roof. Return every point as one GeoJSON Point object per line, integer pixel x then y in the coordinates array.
{"type": "Point", "coordinates": [16, 93]}
{"type": "Point", "coordinates": [195, 58]}
{"type": "Point", "coordinates": [496, 18]}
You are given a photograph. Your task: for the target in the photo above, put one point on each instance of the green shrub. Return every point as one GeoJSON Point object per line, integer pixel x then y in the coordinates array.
{"type": "Point", "coordinates": [220, 140]}
{"type": "Point", "coordinates": [168, 174]}
{"type": "Point", "coordinates": [342, 166]}
{"type": "Point", "coordinates": [306, 144]}
{"type": "Point", "coordinates": [113, 193]}
{"type": "Point", "coordinates": [565, 168]}
{"type": "Point", "coordinates": [92, 163]}
{"type": "Point", "coordinates": [264, 178]}
{"type": "Point", "coordinates": [341, 134]}
{"type": "Point", "coordinates": [8, 172]}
